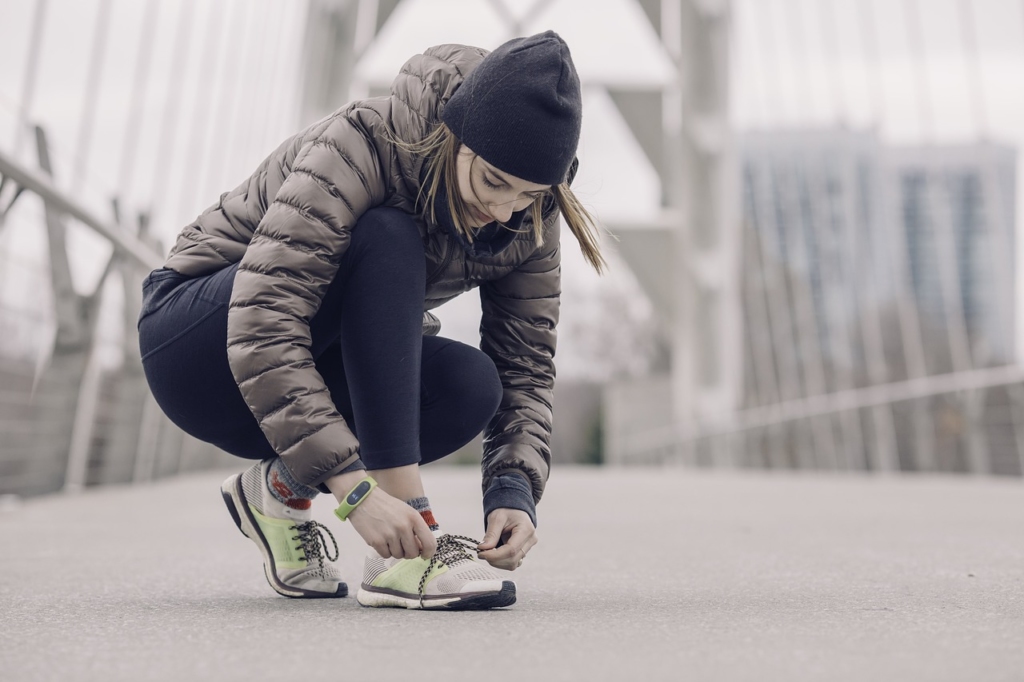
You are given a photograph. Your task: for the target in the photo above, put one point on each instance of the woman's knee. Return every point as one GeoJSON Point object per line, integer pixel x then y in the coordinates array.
{"type": "Point", "coordinates": [486, 384]}
{"type": "Point", "coordinates": [468, 377]}
{"type": "Point", "coordinates": [461, 392]}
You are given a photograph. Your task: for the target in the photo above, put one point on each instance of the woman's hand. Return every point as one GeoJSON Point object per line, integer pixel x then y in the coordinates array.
{"type": "Point", "coordinates": [392, 527]}
{"type": "Point", "coordinates": [514, 530]}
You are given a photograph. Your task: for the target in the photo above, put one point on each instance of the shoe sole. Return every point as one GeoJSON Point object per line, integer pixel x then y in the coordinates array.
{"type": "Point", "coordinates": [376, 597]}
{"type": "Point", "coordinates": [238, 507]}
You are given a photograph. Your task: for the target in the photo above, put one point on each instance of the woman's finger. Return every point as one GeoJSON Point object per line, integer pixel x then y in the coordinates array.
{"type": "Point", "coordinates": [497, 556]}
{"type": "Point", "coordinates": [508, 555]}
{"type": "Point", "coordinates": [495, 525]}
{"type": "Point", "coordinates": [410, 546]}
{"type": "Point", "coordinates": [380, 547]}
{"type": "Point", "coordinates": [427, 541]}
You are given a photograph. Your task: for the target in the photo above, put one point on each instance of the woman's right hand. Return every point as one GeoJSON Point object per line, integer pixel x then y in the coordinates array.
{"type": "Point", "coordinates": [392, 527]}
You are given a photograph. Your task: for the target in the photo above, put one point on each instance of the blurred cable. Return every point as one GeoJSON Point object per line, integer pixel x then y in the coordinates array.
{"type": "Point", "coordinates": [207, 72]}
{"type": "Point", "coordinates": [260, 131]}
{"type": "Point", "coordinates": [28, 84]}
{"type": "Point", "coordinates": [229, 110]}
{"type": "Point", "coordinates": [915, 41]}
{"type": "Point", "coordinates": [140, 83]}
{"type": "Point", "coordinates": [973, 68]}
{"type": "Point", "coordinates": [869, 41]}
{"type": "Point", "coordinates": [168, 129]}
{"type": "Point", "coordinates": [248, 102]}
{"type": "Point", "coordinates": [93, 81]}
{"type": "Point", "coordinates": [830, 35]}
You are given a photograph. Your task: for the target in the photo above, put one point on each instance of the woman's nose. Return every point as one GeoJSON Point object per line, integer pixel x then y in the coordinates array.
{"type": "Point", "coordinates": [501, 212]}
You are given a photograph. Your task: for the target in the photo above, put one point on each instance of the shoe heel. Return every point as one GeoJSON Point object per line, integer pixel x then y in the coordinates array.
{"type": "Point", "coordinates": [229, 501]}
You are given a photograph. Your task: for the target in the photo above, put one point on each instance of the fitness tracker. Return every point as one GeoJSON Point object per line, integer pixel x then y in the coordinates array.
{"type": "Point", "coordinates": [355, 497]}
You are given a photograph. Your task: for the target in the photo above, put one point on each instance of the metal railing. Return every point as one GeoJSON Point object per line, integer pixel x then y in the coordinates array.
{"type": "Point", "coordinates": [72, 421]}
{"type": "Point", "coordinates": [975, 419]}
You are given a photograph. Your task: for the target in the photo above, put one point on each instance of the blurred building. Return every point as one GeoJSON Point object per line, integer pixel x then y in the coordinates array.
{"type": "Point", "coordinates": [878, 309]}
{"type": "Point", "coordinates": [956, 205]}
{"type": "Point", "coordinates": [866, 264]}
{"type": "Point", "coordinates": [811, 213]}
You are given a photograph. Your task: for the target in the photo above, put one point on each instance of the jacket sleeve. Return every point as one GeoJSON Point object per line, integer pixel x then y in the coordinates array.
{"type": "Point", "coordinates": [518, 332]}
{"type": "Point", "coordinates": [292, 259]}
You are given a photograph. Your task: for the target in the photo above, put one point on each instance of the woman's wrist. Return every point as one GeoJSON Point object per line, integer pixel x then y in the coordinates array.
{"type": "Point", "coordinates": [356, 497]}
{"type": "Point", "coordinates": [341, 484]}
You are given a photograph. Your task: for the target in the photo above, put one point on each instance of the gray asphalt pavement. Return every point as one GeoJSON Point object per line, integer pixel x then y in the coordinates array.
{"type": "Point", "coordinates": [641, 574]}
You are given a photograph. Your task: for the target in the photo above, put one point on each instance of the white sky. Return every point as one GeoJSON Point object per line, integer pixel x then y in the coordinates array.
{"type": "Point", "coordinates": [796, 63]}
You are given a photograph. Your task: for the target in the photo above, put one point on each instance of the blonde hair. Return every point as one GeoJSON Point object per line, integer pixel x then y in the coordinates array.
{"type": "Point", "coordinates": [441, 150]}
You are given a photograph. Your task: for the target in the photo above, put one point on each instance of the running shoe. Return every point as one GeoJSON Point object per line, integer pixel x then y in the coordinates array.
{"type": "Point", "coordinates": [452, 579]}
{"type": "Point", "coordinates": [294, 548]}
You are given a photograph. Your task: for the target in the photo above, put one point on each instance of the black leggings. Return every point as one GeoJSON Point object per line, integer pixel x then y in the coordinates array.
{"type": "Point", "coordinates": [409, 398]}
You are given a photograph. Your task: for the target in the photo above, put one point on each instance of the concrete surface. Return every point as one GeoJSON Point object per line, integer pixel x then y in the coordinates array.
{"type": "Point", "coordinates": [641, 574]}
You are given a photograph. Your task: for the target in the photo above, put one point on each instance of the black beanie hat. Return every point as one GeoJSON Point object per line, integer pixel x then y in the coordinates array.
{"type": "Point", "coordinates": [520, 109]}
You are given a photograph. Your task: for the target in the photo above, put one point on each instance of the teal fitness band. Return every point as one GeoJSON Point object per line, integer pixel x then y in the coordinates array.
{"type": "Point", "coordinates": [355, 497]}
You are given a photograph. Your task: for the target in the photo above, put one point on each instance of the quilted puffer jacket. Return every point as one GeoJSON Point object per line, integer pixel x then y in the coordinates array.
{"type": "Point", "coordinates": [290, 222]}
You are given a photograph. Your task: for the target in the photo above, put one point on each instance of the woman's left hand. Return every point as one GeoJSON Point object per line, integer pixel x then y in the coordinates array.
{"type": "Point", "coordinates": [514, 529]}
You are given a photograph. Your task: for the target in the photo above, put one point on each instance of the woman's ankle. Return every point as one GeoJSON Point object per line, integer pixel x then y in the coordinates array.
{"type": "Point", "coordinates": [286, 489]}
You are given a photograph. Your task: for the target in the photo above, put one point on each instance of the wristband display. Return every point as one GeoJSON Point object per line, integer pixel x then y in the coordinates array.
{"type": "Point", "coordinates": [355, 497]}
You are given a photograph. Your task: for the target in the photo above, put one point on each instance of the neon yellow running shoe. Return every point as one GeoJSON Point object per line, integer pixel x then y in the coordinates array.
{"type": "Point", "coordinates": [295, 557]}
{"type": "Point", "coordinates": [453, 579]}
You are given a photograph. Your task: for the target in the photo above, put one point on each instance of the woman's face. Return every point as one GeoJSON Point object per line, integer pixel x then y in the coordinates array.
{"type": "Point", "coordinates": [489, 193]}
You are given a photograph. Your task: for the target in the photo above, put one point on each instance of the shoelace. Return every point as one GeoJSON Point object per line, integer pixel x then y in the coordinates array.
{"type": "Point", "coordinates": [451, 550]}
{"type": "Point", "coordinates": [314, 545]}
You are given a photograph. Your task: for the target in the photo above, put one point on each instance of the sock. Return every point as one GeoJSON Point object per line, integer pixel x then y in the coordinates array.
{"type": "Point", "coordinates": [422, 505]}
{"type": "Point", "coordinates": [286, 489]}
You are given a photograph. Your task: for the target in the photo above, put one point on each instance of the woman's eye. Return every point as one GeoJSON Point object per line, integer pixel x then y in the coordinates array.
{"type": "Point", "coordinates": [489, 183]}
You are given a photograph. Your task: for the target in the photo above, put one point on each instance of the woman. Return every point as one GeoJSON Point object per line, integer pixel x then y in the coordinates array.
{"type": "Point", "coordinates": [290, 319]}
